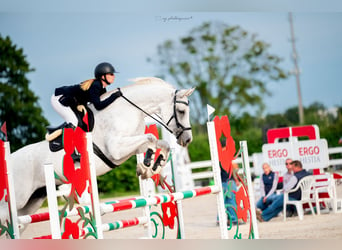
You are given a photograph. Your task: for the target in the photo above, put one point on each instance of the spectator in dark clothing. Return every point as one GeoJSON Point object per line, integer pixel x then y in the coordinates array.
{"type": "Point", "coordinates": [277, 205]}
{"type": "Point", "coordinates": [268, 186]}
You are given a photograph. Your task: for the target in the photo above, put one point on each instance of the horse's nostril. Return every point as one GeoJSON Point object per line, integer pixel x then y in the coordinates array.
{"type": "Point", "coordinates": [188, 141]}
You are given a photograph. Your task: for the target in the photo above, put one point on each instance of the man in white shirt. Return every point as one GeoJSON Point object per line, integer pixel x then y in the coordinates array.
{"type": "Point", "coordinates": [287, 176]}
{"type": "Point", "coordinates": [277, 205]}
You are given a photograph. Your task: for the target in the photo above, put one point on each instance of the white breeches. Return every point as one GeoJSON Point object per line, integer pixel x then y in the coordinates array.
{"type": "Point", "coordinates": [65, 112]}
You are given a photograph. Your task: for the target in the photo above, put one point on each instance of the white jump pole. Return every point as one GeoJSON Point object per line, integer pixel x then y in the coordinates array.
{"type": "Point", "coordinates": [174, 165]}
{"type": "Point", "coordinates": [52, 201]}
{"type": "Point", "coordinates": [245, 162]}
{"type": "Point", "coordinates": [12, 201]}
{"type": "Point", "coordinates": [178, 202]}
{"type": "Point", "coordinates": [145, 192]}
{"type": "Point", "coordinates": [217, 179]}
{"type": "Point", "coordinates": [95, 195]}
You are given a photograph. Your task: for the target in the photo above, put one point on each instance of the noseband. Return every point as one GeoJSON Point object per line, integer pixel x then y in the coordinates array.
{"type": "Point", "coordinates": [180, 127]}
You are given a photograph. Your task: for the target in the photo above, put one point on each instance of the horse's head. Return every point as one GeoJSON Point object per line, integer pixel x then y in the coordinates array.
{"type": "Point", "coordinates": [151, 95]}
{"type": "Point", "coordinates": [179, 122]}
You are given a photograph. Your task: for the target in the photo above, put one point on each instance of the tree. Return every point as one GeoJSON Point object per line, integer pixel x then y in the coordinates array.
{"type": "Point", "coordinates": [229, 67]}
{"type": "Point", "coordinates": [18, 104]}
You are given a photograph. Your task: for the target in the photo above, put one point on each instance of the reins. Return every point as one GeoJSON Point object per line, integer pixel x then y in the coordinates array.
{"type": "Point", "coordinates": [159, 120]}
{"type": "Point", "coordinates": [104, 158]}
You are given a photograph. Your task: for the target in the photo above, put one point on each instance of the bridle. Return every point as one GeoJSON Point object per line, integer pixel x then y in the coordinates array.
{"type": "Point", "coordinates": [180, 127]}
{"type": "Point", "coordinates": [174, 116]}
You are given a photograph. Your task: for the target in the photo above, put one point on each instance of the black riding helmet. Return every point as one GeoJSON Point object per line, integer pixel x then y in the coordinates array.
{"type": "Point", "coordinates": [102, 69]}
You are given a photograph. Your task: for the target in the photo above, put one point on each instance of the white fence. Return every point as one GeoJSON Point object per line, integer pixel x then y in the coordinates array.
{"type": "Point", "coordinates": [335, 162]}
{"type": "Point", "coordinates": [206, 175]}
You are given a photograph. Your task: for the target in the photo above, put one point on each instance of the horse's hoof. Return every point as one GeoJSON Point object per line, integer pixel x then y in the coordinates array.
{"type": "Point", "coordinates": [157, 171]}
{"type": "Point", "coordinates": [143, 171]}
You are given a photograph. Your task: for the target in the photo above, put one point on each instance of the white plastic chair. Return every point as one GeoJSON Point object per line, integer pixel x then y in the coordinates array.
{"type": "Point", "coordinates": [305, 185]}
{"type": "Point", "coordinates": [337, 205]}
{"type": "Point", "coordinates": [325, 185]}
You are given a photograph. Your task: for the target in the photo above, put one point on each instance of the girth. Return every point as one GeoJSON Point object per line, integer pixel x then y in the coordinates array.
{"type": "Point", "coordinates": [103, 157]}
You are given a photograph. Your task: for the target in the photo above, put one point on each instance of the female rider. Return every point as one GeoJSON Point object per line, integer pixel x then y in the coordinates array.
{"type": "Point", "coordinates": [68, 99]}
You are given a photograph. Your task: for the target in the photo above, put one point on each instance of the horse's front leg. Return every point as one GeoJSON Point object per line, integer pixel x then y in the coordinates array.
{"type": "Point", "coordinates": [151, 165]}
{"type": "Point", "coordinates": [163, 155]}
{"type": "Point", "coordinates": [122, 148]}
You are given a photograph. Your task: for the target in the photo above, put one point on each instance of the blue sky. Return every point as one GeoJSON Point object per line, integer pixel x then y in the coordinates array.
{"type": "Point", "coordinates": [64, 45]}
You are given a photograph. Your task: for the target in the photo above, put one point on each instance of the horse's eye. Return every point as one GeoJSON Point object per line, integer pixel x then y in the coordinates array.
{"type": "Point", "coordinates": [181, 112]}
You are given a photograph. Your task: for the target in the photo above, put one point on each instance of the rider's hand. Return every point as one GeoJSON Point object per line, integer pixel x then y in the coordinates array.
{"type": "Point", "coordinates": [81, 108]}
{"type": "Point", "coordinates": [117, 94]}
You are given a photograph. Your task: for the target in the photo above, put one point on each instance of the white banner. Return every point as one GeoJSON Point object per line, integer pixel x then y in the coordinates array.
{"type": "Point", "coordinates": [312, 153]}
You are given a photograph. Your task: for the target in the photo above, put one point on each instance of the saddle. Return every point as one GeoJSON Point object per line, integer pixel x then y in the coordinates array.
{"type": "Point", "coordinates": [54, 134]}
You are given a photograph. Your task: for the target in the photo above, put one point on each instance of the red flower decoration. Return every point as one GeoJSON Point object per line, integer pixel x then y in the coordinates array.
{"type": "Point", "coordinates": [169, 213]}
{"type": "Point", "coordinates": [156, 178]}
{"type": "Point", "coordinates": [226, 153]}
{"type": "Point", "coordinates": [77, 177]}
{"type": "Point", "coordinates": [71, 230]}
{"type": "Point", "coordinates": [242, 202]}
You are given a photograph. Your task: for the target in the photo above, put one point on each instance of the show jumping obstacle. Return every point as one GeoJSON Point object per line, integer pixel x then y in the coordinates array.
{"type": "Point", "coordinates": [85, 184]}
{"type": "Point", "coordinates": [144, 203]}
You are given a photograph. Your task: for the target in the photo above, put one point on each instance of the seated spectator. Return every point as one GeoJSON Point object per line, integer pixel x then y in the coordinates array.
{"type": "Point", "coordinates": [268, 186]}
{"type": "Point", "coordinates": [287, 176]}
{"type": "Point", "coordinates": [290, 210]}
{"type": "Point", "coordinates": [277, 205]}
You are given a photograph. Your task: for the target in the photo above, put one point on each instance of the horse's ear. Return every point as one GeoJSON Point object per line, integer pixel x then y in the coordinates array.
{"type": "Point", "coordinates": [186, 92]}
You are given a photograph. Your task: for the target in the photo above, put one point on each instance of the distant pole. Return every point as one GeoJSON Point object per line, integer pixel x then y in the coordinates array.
{"type": "Point", "coordinates": [296, 71]}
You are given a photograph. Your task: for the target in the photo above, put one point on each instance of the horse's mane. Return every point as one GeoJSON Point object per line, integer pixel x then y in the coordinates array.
{"type": "Point", "coordinates": [149, 80]}
{"type": "Point", "coordinates": [143, 81]}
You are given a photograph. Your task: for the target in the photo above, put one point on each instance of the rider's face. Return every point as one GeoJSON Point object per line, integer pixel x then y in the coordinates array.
{"type": "Point", "coordinates": [110, 78]}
